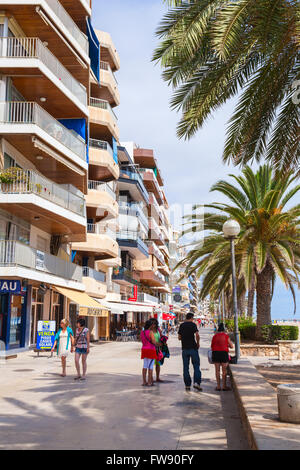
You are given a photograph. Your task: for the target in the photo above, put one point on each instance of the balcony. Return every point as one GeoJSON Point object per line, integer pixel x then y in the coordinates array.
{"type": "Point", "coordinates": [33, 67]}
{"type": "Point", "coordinates": [151, 183]}
{"type": "Point", "coordinates": [108, 51]}
{"type": "Point", "coordinates": [155, 251]}
{"type": "Point", "coordinates": [152, 278]}
{"type": "Point", "coordinates": [133, 242]}
{"type": "Point", "coordinates": [55, 26]}
{"type": "Point", "coordinates": [18, 260]}
{"type": "Point", "coordinates": [101, 243]}
{"type": "Point", "coordinates": [103, 119]}
{"type": "Point", "coordinates": [54, 208]}
{"type": "Point", "coordinates": [133, 183]}
{"type": "Point", "coordinates": [51, 147]}
{"type": "Point", "coordinates": [95, 282]}
{"type": "Point", "coordinates": [145, 158]}
{"type": "Point", "coordinates": [134, 209]}
{"type": "Point", "coordinates": [125, 277]}
{"type": "Point", "coordinates": [101, 201]}
{"type": "Point", "coordinates": [78, 9]}
{"type": "Point", "coordinates": [154, 232]}
{"type": "Point", "coordinates": [103, 164]}
{"type": "Point", "coordinates": [109, 85]}
{"type": "Point", "coordinates": [154, 207]}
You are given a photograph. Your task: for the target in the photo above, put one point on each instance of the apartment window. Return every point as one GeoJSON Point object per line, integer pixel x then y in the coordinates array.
{"type": "Point", "coordinates": [9, 162]}
{"type": "Point", "coordinates": [41, 244]}
{"type": "Point", "coordinates": [14, 229]}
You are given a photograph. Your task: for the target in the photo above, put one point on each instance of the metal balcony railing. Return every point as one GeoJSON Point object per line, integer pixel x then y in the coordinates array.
{"type": "Point", "coordinates": [128, 208]}
{"type": "Point", "coordinates": [156, 252]}
{"type": "Point", "coordinates": [92, 273]}
{"type": "Point", "coordinates": [24, 112]}
{"type": "Point", "coordinates": [98, 186]}
{"type": "Point", "coordinates": [13, 253]}
{"type": "Point", "coordinates": [105, 66]}
{"type": "Point", "coordinates": [97, 229]}
{"type": "Point", "coordinates": [33, 48]}
{"type": "Point", "coordinates": [30, 182]}
{"type": "Point", "coordinates": [69, 24]}
{"type": "Point", "coordinates": [103, 104]}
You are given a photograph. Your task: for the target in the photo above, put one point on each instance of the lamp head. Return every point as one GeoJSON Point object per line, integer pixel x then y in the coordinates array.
{"type": "Point", "coordinates": [231, 229]}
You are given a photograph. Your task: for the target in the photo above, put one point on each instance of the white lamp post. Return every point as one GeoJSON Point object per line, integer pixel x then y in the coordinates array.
{"type": "Point", "coordinates": [231, 230]}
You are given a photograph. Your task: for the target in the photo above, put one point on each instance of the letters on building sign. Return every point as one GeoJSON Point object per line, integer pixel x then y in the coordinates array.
{"type": "Point", "coordinates": [10, 286]}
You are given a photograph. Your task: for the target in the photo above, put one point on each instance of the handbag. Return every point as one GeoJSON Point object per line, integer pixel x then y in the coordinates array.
{"type": "Point", "coordinates": [209, 356]}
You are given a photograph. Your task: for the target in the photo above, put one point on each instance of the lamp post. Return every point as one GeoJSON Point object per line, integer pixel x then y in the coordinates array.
{"type": "Point", "coordinates": [231, 230]}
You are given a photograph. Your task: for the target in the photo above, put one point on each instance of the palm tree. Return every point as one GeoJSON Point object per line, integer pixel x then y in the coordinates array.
{"type": "Point", "coordinates": [268, 245]}
{"type": "Point", "coordinates": [213, 50]}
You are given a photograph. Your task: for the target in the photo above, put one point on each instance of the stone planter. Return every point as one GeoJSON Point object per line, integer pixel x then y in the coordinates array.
{"type": "Point", "coordinates": [288, 397]}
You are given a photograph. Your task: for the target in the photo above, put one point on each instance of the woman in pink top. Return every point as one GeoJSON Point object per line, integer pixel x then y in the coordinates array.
{"type": "Point", "coordinates": [148, 352]}
{"type": "Point", "coordinates": [220, 348]}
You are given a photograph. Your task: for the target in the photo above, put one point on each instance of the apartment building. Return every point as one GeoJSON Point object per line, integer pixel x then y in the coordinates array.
{"type": "Point", "coordinates": [58, 165]}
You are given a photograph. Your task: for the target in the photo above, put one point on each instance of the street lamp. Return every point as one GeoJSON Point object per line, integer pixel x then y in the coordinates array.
{"type": "Point", "coordinates": [231, 230]}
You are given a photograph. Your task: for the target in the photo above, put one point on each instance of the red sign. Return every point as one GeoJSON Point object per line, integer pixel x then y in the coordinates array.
{"type": "Point", "coordinates": [135, 294]}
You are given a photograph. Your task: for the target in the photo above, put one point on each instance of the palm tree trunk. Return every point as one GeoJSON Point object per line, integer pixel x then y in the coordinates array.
{"type": "Point", "coordinates": [263, 298]}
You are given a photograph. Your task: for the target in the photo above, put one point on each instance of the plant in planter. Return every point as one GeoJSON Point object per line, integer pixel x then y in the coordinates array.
{"type": "Point", "coordinates": [12, 176]}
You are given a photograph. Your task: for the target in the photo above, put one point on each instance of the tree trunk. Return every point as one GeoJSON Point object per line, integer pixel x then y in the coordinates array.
{"type": "Point", "coordinates": [241, 303]}
{"type": "Point", "coordinates": [263, 298]}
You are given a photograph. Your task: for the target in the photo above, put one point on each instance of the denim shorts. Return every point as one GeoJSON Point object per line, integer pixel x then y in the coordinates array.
{"type": "Point", "coordinates": [81, 350]}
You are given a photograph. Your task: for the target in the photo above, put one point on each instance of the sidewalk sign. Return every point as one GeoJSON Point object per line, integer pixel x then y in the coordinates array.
{"type": "Point", "coordinates": [45, 335]}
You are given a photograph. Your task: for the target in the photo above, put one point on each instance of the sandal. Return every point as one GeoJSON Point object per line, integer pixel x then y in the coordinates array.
{"type": "Point", "coordinates": [218, 389]}
{"type": "Point", "coordinates": [77, 378]}
{"type": "Point", "coordinates": [144, 385]}
{"type": "Point", "coordinates": [226, 389]}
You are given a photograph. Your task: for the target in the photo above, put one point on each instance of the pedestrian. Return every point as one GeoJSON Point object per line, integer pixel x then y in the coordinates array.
{"type": "Point", "coordinates": [82, 348]}
{"type": "Point", "coordinates": [220, 356]}
{"type": "Point", "coordinates": [157, 336]}
{"type": "Point", "coordinates": [64, 341]}
{"type": "Point", "coordinates": [148, 353]}
{"type": "Point", "coordinates": [190, 340]}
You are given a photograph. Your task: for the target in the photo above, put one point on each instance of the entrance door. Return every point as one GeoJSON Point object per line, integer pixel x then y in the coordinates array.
{"type": "Point", "coordinates": [3, 320]}
{"type": "Point", "coordinates": [16, 306]}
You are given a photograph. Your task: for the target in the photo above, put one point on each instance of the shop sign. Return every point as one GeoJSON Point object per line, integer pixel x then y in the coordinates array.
{"type": "Point", "coordinates": [10, 287]}
{"type": "Point", "coordinates": [45, 335]}
{"type": "Point", "coordinates": [92, 312]}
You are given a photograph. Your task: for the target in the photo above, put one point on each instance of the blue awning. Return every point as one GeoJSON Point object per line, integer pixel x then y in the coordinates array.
{"type": "Point", "coordinates": [94, 49]}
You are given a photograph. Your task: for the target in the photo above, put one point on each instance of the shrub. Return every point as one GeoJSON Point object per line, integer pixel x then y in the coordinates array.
{"type": "Point", "coordinates": [273, 333]}
{"type": "Point", "coordinates": [247, 327]}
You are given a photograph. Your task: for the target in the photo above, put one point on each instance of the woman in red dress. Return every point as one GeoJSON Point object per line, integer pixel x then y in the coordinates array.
{"type": "Point", "coordinates": [220, 348]}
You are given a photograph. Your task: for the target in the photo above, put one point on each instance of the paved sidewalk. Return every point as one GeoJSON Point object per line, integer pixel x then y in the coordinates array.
{"type": "Point", "coordinates": [41, 410]}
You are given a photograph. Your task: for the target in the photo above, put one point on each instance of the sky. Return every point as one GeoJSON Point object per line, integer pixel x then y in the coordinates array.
{"type": "Point", "coordinates": [189, 168]}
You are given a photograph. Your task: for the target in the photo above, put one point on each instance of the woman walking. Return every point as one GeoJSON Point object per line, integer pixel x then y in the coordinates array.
{"type": "Point", "coordinates": [157, 336]}
{"type": "Point", "coordinates": [82, 345]}
{"type": "Point", "coordinates": [148, 352]}
{"type": "Point", "coordinates": [64, 340]}
{"type": "Point", "coordinates": [220, 348]}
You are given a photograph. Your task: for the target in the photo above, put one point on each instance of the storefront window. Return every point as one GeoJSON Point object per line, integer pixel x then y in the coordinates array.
{"type": "Point", "coordinates": [15, 320]}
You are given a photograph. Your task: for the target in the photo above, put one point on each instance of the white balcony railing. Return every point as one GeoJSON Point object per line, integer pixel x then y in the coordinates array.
{"type": "Point", "coordinates": [24, 112]}
{"type": "Point", "coordinates": [105, 66]}
{"type": "Point", "coordinates": [101, 230]}
{"type": "Point", "coordinates": [29, 182]}
{"type": "Point", "coordinates": [33, 48]}
{"type": "Point", "coordinates": [103, 104]}
{"type": "Point", "coordinates": [99, 186]}
{"type": "Point", "coordinates": [13, 253]}
{"type": "Point", "coordinates": [69, 24]}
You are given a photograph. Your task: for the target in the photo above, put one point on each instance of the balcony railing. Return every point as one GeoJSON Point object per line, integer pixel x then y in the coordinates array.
{"type": "Point", "coordinates": [33, 48]}
{"type": "Point", "coordinates": [156, 252]}
{"type": "Point", "coordinates": [29, 182]}
{"type": "Point", "coordinates": [98, 186]}
{"type": "Point", "coordinates": [69, 24]}
{"type": "Point", "coordinates": [101, 145]}
{"type": "Point", "coordinates": [92, 273]}
{"type": "Point", "coordinates": [97, 229]}
{"type": "Point", "coordinates": [114, 288]}
{"type": "Point", "coordinates": [14, 254]}
{"type": "Point", "coordinates": [103, 104]}
{"type": "Point", "coordinates": [105, 66]}
{"type": "Point", "coordinates": [128, 208]}
{"type": "Point", "coordinates": [24, 112]}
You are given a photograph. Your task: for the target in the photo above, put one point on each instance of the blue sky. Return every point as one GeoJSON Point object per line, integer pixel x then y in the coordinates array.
{"type": "Point", "coordinates": [189, 168]}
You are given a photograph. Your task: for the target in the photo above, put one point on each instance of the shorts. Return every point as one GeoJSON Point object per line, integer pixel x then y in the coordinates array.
{"type": "Point", "coordinates": [220, 357]}
{"type": "Point", "coordinates": [81, 350]}
{"type": "Point", "coordinates": [148, 364]}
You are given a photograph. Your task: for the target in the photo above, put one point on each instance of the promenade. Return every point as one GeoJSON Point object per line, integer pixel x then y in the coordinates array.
{"type": "Point", "coordinates": [111, 411]}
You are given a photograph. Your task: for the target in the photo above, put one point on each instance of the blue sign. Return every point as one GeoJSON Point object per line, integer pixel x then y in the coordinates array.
{"type": "Point", "coordinates": [45, 335]}
{"type": "Point", "coordinates": [10, 286]}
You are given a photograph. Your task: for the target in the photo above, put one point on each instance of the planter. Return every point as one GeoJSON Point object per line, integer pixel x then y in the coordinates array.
{"type": "Point", "coordinates": [288, 397]}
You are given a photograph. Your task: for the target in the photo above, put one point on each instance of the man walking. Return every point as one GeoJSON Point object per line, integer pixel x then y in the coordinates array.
{"type": "Point", "coordinates": [190, 340]}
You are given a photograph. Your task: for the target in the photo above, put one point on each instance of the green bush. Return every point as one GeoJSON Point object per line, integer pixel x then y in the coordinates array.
{"type": "Point", "coordinates": [247, 327]}
{"type": "Point", "coordinates": [273, 333]}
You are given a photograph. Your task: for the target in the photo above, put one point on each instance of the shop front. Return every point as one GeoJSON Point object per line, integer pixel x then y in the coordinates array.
{"type": "Point", "coordinates": [13, 314]}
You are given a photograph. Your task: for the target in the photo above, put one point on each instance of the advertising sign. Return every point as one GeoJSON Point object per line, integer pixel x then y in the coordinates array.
{"type": "Point", "coordinates": [45, 335]}
{"type": "Point", "coordinates": [40, 261]}
{"type": "Point", "coordinates": [10, 286]}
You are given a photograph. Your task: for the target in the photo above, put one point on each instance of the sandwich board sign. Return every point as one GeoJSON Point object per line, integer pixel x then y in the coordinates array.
{"type": "Point", "coordinates": [45, 335]}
